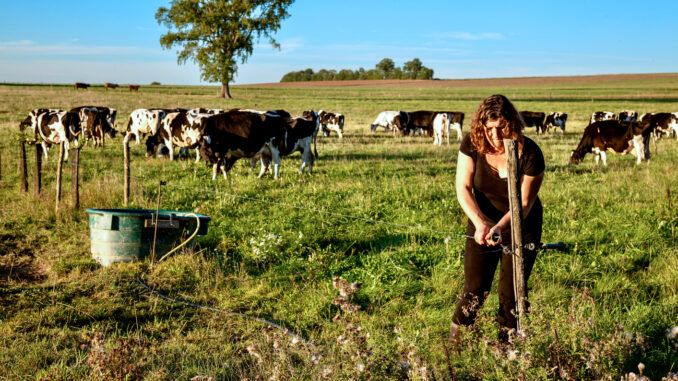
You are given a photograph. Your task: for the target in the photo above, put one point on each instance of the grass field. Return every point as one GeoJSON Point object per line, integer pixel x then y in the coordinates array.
{"type": "Point", "coordinates": [377, 210]}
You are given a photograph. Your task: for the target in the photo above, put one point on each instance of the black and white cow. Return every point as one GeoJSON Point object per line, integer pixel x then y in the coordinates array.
{"type": "Point", "coordinates": [662, 123]}
{"type": "Point", "coordinates": [391, 120]}
{"type": "Point", "coordinates": [534, 119]}
{"type": "Point", "coordinates": [627, 116]}
{"type": "Point", "coordinates": [555, 119]}
{"type": "Point", "coordinates": [239, 134]}
{"type": "Point", "coordinates": [143, 121]}
{"type": "Point", "coordinates": [599, 116]}
{"type": "Point", "coordinates": [96, 123]}
{"type": "Point", "coordinates": [441, 128]}
{"type": "Point", "coordinates": [300, 132]}
{"type": "Point", "coordinates": [50, 126]}
{"type": "Point", "coordinates": [456, 119]}
{"type": "Point", "coordinates": [181, 129]}
{"type": "Point", "coordinates": [330, 121]}
{"type": "Point", "coordinates": [620, 137]}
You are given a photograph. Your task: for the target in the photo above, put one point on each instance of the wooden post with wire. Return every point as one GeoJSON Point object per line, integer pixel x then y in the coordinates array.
{"type": "Point", "coordinates": [515, 202]}
{"type": "Point", "coordinates": [126, 180]}
{"type": "Point", "coordinates": [23, 170]}
{"type": "Point", "coordinates": [37, 176]}
{"type": "Point", "coordinates": [75, 177]}
{"type": "Point", "coordinates": [60, 168]}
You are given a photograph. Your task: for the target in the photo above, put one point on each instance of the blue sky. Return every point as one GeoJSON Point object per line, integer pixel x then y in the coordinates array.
{"type": "Point", "coordinates": [117, 41]}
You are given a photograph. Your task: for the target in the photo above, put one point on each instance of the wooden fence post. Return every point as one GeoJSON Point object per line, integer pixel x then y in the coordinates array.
{"type": "Point", "coordinates": [60, 167]}
{"type": "Point", "coordinates": [75, 174]}
{"type": "Point", "coordinates": [0, 168]}
{"type": "Point", "coordinates": [515, 202]}
{"type": "Point", "coordinates": [37, 177]}
{"type": "Point", "coordinates": [126, 181]}
{"type": "Point", "coordinates": [23, 170]}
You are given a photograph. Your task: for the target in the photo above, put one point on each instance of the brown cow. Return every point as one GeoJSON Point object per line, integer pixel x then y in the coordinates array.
{"type": "Point", "coordinates": [133, 87]}
{"type": "Point", "coordinates": [620, 137]}
{"type": "Point", "coordinates": [109, 85]}
{"type": "Point", "coordinates": [81, 85]}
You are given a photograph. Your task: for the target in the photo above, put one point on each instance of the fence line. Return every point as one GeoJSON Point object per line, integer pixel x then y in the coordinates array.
{"type": "Point", "coordinates": [419, 227]}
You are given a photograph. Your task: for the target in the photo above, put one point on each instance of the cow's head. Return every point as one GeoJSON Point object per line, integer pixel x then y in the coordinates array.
{"type": "Point", "coordinates": [152, 145]}
{"type": "Point", "coordinates": [576, 157]}
{"type": "Point", "coordinates": [28, 122]}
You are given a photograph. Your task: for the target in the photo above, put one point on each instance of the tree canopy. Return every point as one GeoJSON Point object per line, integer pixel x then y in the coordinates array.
{"type": "Point", "coordinates": [216, 34]}
{"type": "Point", "coordinates": [384, 69]}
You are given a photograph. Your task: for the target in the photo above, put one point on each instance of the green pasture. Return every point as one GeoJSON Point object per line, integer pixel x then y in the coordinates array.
{"type": "Point", "coordinates": [377, 210]}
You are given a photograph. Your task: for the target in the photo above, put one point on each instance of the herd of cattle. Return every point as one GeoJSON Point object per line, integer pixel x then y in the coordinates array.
{"type": "Point", "coordinates": [620, 133]}
{"type": "Point", "coordinates": [107, 85]}
{"type": "Point", "coordinates": [222, 137]}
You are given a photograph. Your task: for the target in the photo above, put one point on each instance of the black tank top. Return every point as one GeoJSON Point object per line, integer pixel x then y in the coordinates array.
{"type": "Point", "coordinates": [491, 191]}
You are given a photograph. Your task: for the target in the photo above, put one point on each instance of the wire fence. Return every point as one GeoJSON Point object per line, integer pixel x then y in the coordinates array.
{"type": "Point", "coordinates": [447, 235]}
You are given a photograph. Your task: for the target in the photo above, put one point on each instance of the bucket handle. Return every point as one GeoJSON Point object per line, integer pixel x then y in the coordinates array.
{"type": "Point", "coordinates": [195, 233]}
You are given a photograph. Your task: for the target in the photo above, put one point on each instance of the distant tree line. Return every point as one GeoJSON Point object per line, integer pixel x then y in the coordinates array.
{"type": "Point", "coordinates": [385, 69]}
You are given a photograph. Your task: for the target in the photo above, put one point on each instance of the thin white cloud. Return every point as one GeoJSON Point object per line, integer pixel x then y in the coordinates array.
{"type": "Point", "coordinates": [26, 48]}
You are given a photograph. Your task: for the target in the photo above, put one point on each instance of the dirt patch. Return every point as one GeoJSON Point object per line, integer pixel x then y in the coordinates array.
{"type": "Point", "coordinates": [521, 81]}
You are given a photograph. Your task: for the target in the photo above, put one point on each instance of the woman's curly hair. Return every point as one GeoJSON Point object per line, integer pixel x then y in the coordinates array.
{"type": "Point", "coordinates": [496, 107]}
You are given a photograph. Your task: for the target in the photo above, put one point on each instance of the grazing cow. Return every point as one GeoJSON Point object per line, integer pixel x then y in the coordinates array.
{"type": "Point", "coordinates": [390, 120]}
{"type": "Point", "coordinates": [133, 87]}
{"type": "Point", "coordinates": [300, 131]}
{"type": "Point", "coordinates": [109, 85]}
{"type": "Point", "coordinates": [239, 134]}
{"type": "Point", "coordinates": [81, 85]}
{"type": "Point", "coordinates": [662, 123]}
{"type": "Point", "coordinates": [627, 116]}
{"type": "Point", "coordinates": [96, 122]}
{"type": "Point", "coordinates": [177, 129]}
{"type": "Point", "coordinates": [53, 127]}
{"type": "Point", "coordinates": [620, 137]}
{"type": "Point", "coordinates": [599, 116]}
{"type": "Point", "coordinates": [421, 121]}
{"type": "Point", "coordinates": [331, 122]}
{"type": "Point", "coordinates": [143, 121]}
{"type": "Point", "coordinates": [31, 120]}
{"type": "Point", "coordinates": [555, 119]}
{"type": "Point", "coordinates": [534, 119]}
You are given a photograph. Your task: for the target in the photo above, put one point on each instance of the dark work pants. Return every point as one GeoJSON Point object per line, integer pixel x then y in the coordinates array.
{"type": "Point", "coordinates": [480, 263]}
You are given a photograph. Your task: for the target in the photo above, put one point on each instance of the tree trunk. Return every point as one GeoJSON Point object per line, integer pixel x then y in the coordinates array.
{"type": "Point", "coordinates": [225, 91]}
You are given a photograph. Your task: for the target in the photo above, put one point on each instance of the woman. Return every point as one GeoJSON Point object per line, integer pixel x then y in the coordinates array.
{"type": "Point", "coordinates": [482, 191]}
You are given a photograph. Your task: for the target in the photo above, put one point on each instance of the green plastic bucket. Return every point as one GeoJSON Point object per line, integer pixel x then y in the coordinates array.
{"type": "Point", "coordinates": [126, 235]}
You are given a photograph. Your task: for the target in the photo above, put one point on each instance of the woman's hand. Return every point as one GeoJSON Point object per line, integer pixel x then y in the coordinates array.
{"type": "Point", "coordinates": [480, 236]}
{"type": "Point", "coordinates": [496, 230]}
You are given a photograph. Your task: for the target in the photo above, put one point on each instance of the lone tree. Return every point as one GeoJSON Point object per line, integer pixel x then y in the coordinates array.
{"type": "Point", "coordinates": [216, 33]}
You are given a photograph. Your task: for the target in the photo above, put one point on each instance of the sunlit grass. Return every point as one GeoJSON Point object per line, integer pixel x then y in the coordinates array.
{"type": "Point", "coordinates": [376, 210]}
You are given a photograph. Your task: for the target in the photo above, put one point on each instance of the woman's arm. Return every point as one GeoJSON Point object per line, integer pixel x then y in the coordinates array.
{"type": "Point", "coordinates": [464, 185]}
{"type": "Point", "coordinates": [529, 188]}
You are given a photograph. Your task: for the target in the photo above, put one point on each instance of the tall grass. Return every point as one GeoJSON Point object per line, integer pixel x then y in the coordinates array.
{"type": "Point", "coordinates": [377, 210]}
